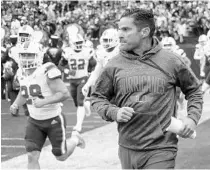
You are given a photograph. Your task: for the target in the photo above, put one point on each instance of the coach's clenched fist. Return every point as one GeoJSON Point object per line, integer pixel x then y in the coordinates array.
{"type": "Point", "coordinates": [124, 114]}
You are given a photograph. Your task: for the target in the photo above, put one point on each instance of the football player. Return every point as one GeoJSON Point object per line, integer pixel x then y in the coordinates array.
{"type": "Point", "coordinates": [205, 60]}
{"type": "Point", "coordinates": [202, 53]}
{"type": "Point", "coordinates": [170, 44]}
{"type": "Point", "coordinates": [206, 83]}
{"type": "Point", "coordinates": [108, 48]}
{"type": "Point", "coordinates": [80, 60]}
{"type": "Point", "coordinates": [42, 89]}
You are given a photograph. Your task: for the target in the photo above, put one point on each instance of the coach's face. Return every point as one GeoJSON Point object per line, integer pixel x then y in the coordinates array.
{"type": "Point", "coordinates": [129, 34]}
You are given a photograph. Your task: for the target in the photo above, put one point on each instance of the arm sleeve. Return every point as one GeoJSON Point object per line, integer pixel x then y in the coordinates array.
{"type": "Point", "coordinates": [102, 96]}
{"type": "Point", "coordinates": [208, 79]}
{"type": "Point", "coordinates": [191, 87]}
{"type": "Point", "coordinates": [92, 64]}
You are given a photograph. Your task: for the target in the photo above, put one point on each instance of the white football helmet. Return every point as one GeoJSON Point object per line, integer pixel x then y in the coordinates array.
{"type": "Point", "coordinates": [202, 40]}
{"type": "Point", "coordinates": [29, 56]}
{"type": "Point", "coordinates": [25, 34]}
{"type": "Point", "coordinates": [109, 38]}
{"type": "Point", "coordinates": [168, 43]}
{"type": "Point", "coordinates": [77, 42]}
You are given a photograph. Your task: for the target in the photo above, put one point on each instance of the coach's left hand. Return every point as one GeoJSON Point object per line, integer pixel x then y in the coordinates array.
{"type": "Point", "coordinates": [189, 127]}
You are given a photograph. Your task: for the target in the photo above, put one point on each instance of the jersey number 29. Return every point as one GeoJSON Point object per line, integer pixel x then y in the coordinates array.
{"type": "Point", "coordinates": [33, 90]}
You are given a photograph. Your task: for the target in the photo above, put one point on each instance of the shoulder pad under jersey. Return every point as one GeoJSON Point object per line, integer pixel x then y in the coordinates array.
{"type": "Point", "coordinates": [52, 71]}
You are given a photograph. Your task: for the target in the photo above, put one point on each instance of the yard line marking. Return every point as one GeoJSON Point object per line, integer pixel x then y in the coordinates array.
{"type": "Point", "coordinates": [84, 126]}
{"type": "Point", "coordinates": [65, 113]}
{"type": "Point", "coordinates": [94, 121]}
{"type": "Point", "coordinates": [9, 113]}
{"type": "Point", "coordinates": [12, 138]}
{"type": "Point", "coordinates": [3, 156]}
{"type": "Point", "coordinates": [12, 146]}
{"type": "Point", "coordinates": [97, 117]}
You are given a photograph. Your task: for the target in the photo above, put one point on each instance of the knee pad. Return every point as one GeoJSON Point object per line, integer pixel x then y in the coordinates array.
{"type": "Point", "coordinates": [31, 146]}
{"type": "Point", "coordinates": [57, 152]}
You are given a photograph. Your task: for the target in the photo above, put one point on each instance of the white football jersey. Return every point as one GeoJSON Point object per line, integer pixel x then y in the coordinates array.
{"type": "Point", "coordinates": [102, 56]}
{"type": "Point", "coordinates": [201, 51]}
{"type": "Point", "coordinates": [36, 85]}
{"type": "Point", "coordinates": [78, 61]}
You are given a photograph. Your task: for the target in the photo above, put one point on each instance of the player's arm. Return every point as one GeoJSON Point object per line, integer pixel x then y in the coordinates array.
{"type": "Point", "coordinates": [63, 62]}
{"type": "Point", "coordinates": [202, 66]}
{"type": "Point", "coordinates": [94, 74]}
{"type": "Point", "coordinates": [92, 79]}
{"type": "Point", "coordinates": [19, 101]}
{"type": "Point", "coordinates": [59, 89]}
{"type": "Point", "coordinates": [92, 61]}
{"type": "Point", "coordinates": [196, 55]}
{"type": "Point", "coordinates": [56, 85]}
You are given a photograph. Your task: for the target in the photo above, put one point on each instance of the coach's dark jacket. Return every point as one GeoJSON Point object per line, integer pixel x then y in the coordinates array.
{"type": "Point", "coordinates": [147, 84]}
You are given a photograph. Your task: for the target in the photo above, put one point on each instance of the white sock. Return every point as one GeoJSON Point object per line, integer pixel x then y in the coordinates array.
{"type": "Point", "coordinates": [80, 116]}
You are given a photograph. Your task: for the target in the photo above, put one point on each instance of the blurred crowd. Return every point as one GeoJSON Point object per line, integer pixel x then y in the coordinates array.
{"type": "Point", "coordinates": [177, 18]}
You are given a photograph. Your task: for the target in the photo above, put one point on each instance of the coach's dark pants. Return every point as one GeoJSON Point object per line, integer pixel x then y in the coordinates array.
{"type": "Point", "coordinates": [156, 159]}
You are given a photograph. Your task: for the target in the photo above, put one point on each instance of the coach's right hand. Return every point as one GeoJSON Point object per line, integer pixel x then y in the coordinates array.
{"type": "Point", "coordinates": [124, 114]}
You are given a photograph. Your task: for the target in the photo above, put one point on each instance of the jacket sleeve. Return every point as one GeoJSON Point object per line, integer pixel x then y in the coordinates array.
{"type": "Point", "coordinates": [102, 95]}
{"type": "Point", "coordinates": [191, 87]}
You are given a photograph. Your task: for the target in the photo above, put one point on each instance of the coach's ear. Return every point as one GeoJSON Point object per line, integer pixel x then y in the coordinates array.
{"type": "Point", "coordinates": [145, 32]}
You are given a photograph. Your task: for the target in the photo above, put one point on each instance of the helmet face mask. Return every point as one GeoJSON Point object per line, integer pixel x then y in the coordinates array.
{"type": "Point", "coordinates": [106, 43]}
{"type": "Point", "coordinates": [109, 38]}
{"type": "Point", "coordinates": [24, 37]}
{"type": "Point", "coordinates": [28, 60]}
{"type": "Point", "coordinates": [169, 43]}
{"type": "Point", "coordinates": [79, 45]}
{"type": "Point", "coordinates": [25, 34]}
{"type": "Point", "coordinates": [167, 46]}
{"type": "Point", "coordinates": [29, 57]}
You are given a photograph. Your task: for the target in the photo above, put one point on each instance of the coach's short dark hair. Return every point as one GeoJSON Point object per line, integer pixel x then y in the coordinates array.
{"type": "Point", "coordinates": [142, 18]}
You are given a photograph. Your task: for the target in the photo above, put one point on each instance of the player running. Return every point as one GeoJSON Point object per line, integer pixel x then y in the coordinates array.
{"type": "Point", "coordinates": [107, 49]}
{"type": "Point", "coordinates": [42, 89]}
{"type": "Point", "coordinates": [80, 60]}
